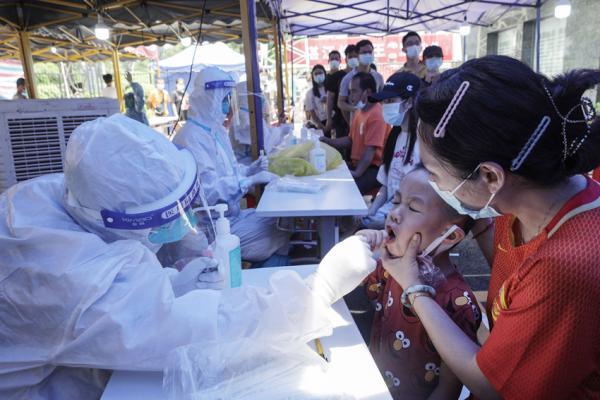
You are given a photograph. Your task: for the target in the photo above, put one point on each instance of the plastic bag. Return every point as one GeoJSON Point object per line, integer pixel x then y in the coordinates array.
{"type": "Point", "coordinates": [294, 160]}
{"type": "Point", "coordinates": [248, 369]}
{"type": "Point", "coordinates": [293, 185]}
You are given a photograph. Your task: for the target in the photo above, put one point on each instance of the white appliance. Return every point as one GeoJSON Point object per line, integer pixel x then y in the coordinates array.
{"type": "Point", "coordinates": [34, 134]}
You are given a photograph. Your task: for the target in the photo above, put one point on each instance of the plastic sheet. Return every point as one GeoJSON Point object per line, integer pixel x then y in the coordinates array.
{"type": "Point", "coordinates": [293, 185]}
{"type": "Point", "coordinates": [248, 370]}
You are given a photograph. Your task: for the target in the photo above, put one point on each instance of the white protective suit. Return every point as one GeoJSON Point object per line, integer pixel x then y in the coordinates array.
{"type": "Point", "coordinates": [78, 298]}
{"type": "Point", "coordinates": [223, 178]}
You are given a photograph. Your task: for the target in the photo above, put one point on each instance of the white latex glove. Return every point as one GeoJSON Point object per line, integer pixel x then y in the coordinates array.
{"type": "Point", "coordinates": [342, 269]}
{"type": "Point", "coordinates": [260, 164]}
{"type": "Point", "coordinates": [190, 277]}
{"type": "Point", "coordinates": [263, 177]}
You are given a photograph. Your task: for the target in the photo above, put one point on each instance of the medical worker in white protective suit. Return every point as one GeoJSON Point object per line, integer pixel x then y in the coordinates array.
{"type": "Point", "coordinates": [223, 178]}
{"type": "Point", "coordinates": [82, 292]}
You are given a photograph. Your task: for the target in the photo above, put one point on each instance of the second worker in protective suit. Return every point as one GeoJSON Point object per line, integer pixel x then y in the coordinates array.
{"type": "Point", "coordinates": [223, 178]}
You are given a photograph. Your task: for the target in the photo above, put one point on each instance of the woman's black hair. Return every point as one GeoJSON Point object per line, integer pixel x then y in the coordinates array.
{"type": "Point", "coordinates": [315, 85]}
{"type": "Point", "coordinates": [390, 144]}
{"type": "Point", "coordinates": [501, 109]}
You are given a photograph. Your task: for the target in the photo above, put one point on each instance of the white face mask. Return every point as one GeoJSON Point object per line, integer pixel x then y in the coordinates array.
{"type": "Point", "coordinates": [334, 64]}
{"type": "Point", "coordinates": [393, 113]}
{"type": "Point", "coordinates": [319, 78]}
{"type": "Point", "coordinates": [413, 51]}
{"type": "Point", "coordinates": [353, 62]}
{"type": "Point", "coordinates": [450, 198]}
{"type": "Point", "coordinates": [433, 64]}
{"type": "Point", "coordinates": [366, 59]}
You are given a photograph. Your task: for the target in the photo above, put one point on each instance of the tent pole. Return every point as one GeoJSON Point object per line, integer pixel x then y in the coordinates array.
{"type": "Point", "coordinates": [117, 78]}
{"type": "Point", "coordinates": [249, 36]}
{"type": "Point", "coordinates": [278, 75]}
{"type": "Point", "coordinates": [287, 77]}
{"type": "Point", "coordinates": [27, 62]}
{"type": "Point", "coordinates": [538, 28]}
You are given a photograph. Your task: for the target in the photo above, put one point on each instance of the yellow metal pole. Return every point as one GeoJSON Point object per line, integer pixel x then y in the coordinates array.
{"type": "Point", "coordinates": [117, 78]}
{"type": "Point", "coordinates": [27, 62]}
{"type": "Point", "coordinates": [278, 77]}
{"type": "Point", "coordinates": [287, 82]}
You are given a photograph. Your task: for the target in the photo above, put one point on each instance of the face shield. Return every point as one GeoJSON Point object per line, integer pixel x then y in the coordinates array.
{"type": "Point", "coordinates": [168, 219]}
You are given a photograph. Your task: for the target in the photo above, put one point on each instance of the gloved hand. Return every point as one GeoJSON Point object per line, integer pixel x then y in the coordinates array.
{"type": "Point", "coordinates": [263, 177]}
{"type": "Point", "coordinates": [190, 277]}
{"type": "Point", "coordinates": [342, 269]}
{"type": "Point", "coordinates": [260, 164]}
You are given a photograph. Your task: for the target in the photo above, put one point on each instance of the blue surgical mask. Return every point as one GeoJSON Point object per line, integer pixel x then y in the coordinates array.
{"type": "Point", "coordinates": [174, 230]}
{"type": "Point", "coordinates": [226, 105]}
{"type": "Point", "coordinates": [450, 198]}
{"type": "Point", "coordinates": [366, 58]}
{"type": "Point", "coordinates": [413, 51]}
{"type": "Point", "coordinates": [352, 62]}
{"type": "Point", "coordinates": [393, 113]}
{"type": "Point", "coordinates": [334, 64]}
{"type": "Point", "coordinates": [434, 63]}
{"type": "Point", "coordinates": [360, 105]}
{"type": "Point", "coordinates": [319, 78]}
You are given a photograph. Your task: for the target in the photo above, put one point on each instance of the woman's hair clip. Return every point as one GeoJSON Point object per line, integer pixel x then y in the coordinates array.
{"type": "Point", "coordinates": [531, 142]}
{"type": "Point", "coordinates": [440, 129]}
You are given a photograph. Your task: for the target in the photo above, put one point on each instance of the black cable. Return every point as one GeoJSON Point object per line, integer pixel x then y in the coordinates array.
{"type": "Point", "coordinates": [198, 40]}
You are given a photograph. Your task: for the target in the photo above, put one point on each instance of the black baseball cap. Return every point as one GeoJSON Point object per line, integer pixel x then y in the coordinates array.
{"type": "Point", "coordinates": [401, 84]}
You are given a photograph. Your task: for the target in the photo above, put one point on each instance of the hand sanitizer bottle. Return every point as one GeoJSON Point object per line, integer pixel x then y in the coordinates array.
{"type": "Point", "coordinates": [227, 250]}
{"type": "Point", "coordinates": [318, 157]}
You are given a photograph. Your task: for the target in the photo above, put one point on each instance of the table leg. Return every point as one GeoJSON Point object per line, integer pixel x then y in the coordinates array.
{"type": "Point", "coordinates": [328, 234]}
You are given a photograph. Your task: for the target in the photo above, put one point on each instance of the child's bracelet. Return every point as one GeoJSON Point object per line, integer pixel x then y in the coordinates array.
{"type": "Point", "coordinates": [416, 289]}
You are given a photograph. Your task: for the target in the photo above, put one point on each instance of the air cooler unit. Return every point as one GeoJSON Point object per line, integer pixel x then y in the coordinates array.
{"type": "Point", "coordinates": [34, 134]}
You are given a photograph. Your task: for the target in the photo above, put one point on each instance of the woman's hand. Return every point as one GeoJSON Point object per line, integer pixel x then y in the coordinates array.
{"type": "Point", "coordinates": [405, 269]}
{"type": "Point", "coordinates": [373, 237]}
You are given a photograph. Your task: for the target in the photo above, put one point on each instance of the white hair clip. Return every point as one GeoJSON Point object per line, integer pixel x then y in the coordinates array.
{"type": "Point", "coordinates": [531, 142]}
{"type": "Point", "coordinates": [440, 129]}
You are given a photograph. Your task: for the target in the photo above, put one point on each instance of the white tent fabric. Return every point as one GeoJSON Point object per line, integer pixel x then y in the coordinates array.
{"type": "Point", "coordinates": [210, 55]}
{"type": "Point", "coordinates": [356, 17]}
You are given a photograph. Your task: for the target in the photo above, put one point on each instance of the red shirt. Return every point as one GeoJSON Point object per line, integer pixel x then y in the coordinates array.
{"type": "Point", "coordinates": [399, 343]}
{"type": "Point", "coordinates": [545, 307]}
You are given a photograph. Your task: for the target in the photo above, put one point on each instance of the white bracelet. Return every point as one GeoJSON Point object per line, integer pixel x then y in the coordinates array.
{"type": "Point", "coordinates": [416, 289]}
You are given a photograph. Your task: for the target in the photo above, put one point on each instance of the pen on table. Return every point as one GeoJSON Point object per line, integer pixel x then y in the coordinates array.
{"type": "Point", "coordinates": [320, 350]}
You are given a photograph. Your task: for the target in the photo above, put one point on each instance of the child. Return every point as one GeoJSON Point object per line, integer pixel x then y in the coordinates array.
{"type": "Point", "coordinates": [399, 344]}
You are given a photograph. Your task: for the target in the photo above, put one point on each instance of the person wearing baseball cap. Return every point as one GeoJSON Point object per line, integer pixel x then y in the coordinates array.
{"type": "Point", "coordinates": [401, 152]}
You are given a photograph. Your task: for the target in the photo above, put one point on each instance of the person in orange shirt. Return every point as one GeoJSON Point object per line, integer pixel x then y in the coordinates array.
{"type": "Point", "coordinates": [368, 132]}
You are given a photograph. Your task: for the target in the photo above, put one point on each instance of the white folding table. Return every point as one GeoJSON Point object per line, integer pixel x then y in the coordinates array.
{"type": "Point", "coordinates": [350, 360]}
{"type": "Point", "coordinates": [339, 197]}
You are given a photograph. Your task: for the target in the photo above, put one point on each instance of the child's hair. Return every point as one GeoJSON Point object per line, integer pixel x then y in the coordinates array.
{"type": "Point", "coordinates": [501, 118]}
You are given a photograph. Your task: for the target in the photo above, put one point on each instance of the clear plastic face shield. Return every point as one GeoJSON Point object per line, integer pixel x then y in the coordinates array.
{"type": "Point", "coordinates": [168, 219]}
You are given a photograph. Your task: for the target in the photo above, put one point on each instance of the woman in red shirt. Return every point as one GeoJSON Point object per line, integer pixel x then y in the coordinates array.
{"type": "Point", "coordinates": [501, 141]}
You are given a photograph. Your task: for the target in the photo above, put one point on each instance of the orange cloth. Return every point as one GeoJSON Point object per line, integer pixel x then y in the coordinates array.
{"type": "Point", "coordinates": [368, 129]}
{"type": "Point", "coordinates": [544, 303]}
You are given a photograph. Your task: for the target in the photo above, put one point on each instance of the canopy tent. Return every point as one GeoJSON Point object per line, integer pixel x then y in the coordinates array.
{"type": "Point", "coordinates": [354, 17]}
{"type": "Point", "coordinates": [209, 55]}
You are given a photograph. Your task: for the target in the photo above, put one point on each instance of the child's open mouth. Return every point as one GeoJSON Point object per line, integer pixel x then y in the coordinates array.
{"type": "Point", "coordinates": [391, 235]}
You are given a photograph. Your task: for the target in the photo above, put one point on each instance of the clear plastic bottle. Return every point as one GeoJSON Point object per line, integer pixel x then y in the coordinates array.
{"type": "Point", "coordinates": [227, 250]}
{"type": "Point", "coordinates": [318, 157]}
